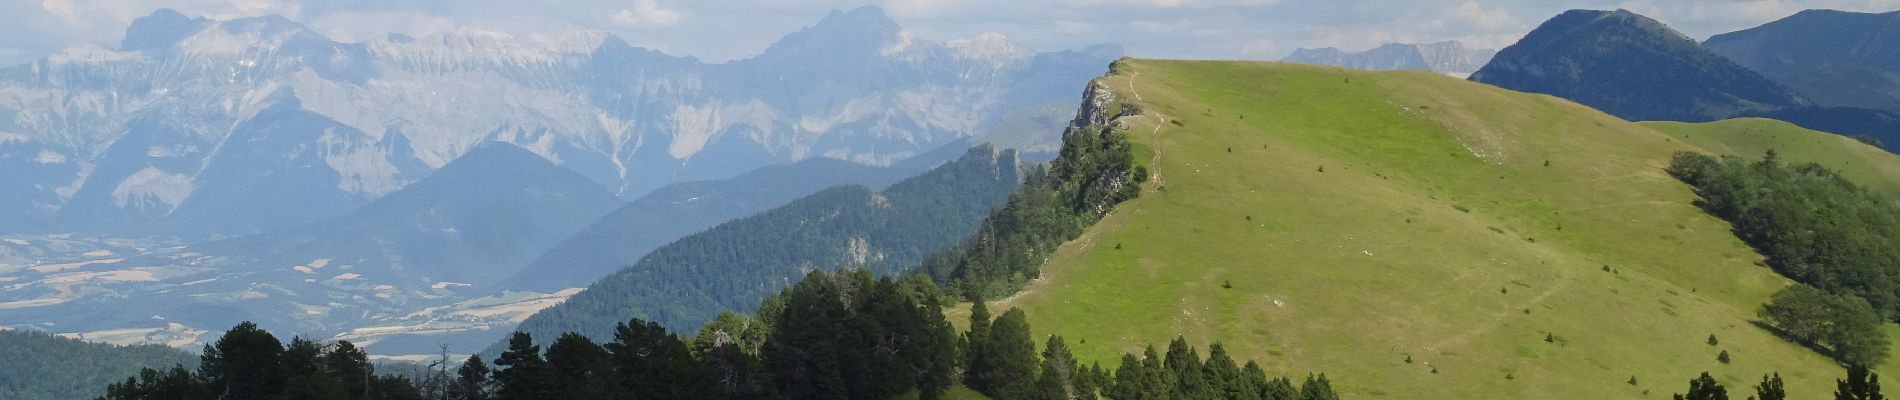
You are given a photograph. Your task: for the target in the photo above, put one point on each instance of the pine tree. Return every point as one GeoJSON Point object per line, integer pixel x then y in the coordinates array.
{"type": "Point", "coordinates": [523, 373]}
{"type": "Point", "coordinates": [1010, 356]}
{"type": "Point", "coordinates": [471, 381]}
{"type": "Point", "coordinates": [1222, 376]}
{"type": "Point", "coordinates": [651, 363]}
{"type": "Point", "coordinates": [1185, 364]}
{"type": "Point", "coordinates": [1128, 381]}
{"type": "Point", "coordinates": [246, 363]}
{"type": "Point", "coordinates": [1059, 372]}
{"type": "Point", "coordinates": [1704, 388]}
{"type": "Point", "coordinates": [351, 367]}
{"type": "Point", "coordinates": [976, 361]}
{"type": "Point", "coordinates": [1770, 388]}
{"type": "Point", "coordinates": [1317, 388]}
{"type": "Point", "coordinates": [802, 351]}
{"type": "Point", "coordinates": [1712, 340]}
{"type": "Point", "coordinates": [1280, 389]}
{"type": "Point", "coordinates": [1860, 384]}
{"type": "Point", "coordinates": [578, 368]}
{"type": "Point", "coordinates": [1253, 382]}
{"type": "Point", "coordinates": [1723, 357]}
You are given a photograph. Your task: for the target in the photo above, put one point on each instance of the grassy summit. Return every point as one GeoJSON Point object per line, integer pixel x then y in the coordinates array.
{"type": "Point", "coordinates": [1335, 221]}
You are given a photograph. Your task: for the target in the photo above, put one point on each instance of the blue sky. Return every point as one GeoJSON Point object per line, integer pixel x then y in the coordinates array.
{"type": "Point", "coordinates": [718, 30]}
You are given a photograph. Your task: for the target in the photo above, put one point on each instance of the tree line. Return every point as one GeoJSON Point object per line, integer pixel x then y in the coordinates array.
{"type": "Point", "coordinates": [1860, 384]}
{"type": "Point", "coordinates": [1094, 171]}
{"type": "Point", "coordinates": [250, 363]}
{"type": "Point", "coordinates": [1837, 239]}
{"type": "Point", "coordinates": [844, 335]}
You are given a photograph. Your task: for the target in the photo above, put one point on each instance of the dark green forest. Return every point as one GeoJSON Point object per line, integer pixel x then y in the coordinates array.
{"type": "Point", "coordinates": [1094, 171]}
{"type": "Point", "coordinates": [844, 335]}
{"type": "Point", "coordinates": [1834, 237]}
{"type": "Point", "coordinates": [47, 367]}
{"type": "Point", "coordinates": [731, 266]}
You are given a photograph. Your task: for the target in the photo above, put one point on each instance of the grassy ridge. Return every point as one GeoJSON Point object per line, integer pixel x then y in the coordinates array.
{"type": "Point", "coordinates": [1752, 137]}
{"type": "Point", "coordinates": [1454, 222]}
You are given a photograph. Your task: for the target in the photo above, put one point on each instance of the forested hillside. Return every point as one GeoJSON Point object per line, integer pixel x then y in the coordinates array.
{"type": "Point", "coordinates": [46, 367]}
{"type": "Point", "coordinates": [733, 265]}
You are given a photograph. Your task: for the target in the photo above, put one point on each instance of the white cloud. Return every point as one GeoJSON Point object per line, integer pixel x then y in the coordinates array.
{"type": "Point", "coordinates": [646, 14]}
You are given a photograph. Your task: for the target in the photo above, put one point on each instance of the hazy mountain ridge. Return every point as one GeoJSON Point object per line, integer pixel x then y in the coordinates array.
{"type": "Point", "coordinates": [134, 138]}
{"type": "Point", "coordinates": [1836, 58]}
{"type": "Point", "coordinates": [1448, 57]}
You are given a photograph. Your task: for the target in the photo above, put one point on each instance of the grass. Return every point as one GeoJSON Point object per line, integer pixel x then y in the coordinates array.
{"type": "Point", "coordinates": [1752, 137]}
{"type": "Point", "coordinates": [1454, 222]}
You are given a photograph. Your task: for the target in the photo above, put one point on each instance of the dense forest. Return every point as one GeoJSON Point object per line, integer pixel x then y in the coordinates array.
{"type": "Point", "coordinates": [1836, 238]}
{"type": "Point", "coordinates": [1094, 171]}
{"type": "Point", "coordinates": [250, 363]}
{"type": "Point", "coordinates": [844, 335]}
{"type": "Point", "coordinates": [731, 266]}
{"type": "Point", "coordinates": [62, 368]}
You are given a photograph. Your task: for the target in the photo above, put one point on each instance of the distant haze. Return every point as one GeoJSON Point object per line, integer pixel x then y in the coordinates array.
{"type": "Point", "coordinates": [725, 30]}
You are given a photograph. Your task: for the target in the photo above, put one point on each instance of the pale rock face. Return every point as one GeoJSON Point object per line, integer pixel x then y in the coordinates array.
{"type": "Point", "coordinates": [195, 96]}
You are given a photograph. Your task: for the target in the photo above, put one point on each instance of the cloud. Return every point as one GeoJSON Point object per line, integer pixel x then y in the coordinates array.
{"type": "Point", "coordinates": [645, 14]}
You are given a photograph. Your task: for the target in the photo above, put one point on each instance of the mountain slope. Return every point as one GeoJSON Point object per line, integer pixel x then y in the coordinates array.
{"type": "Point", "coordinates": [477, 220]}
{"type": "Point", "coordinates": [1835, 58]}
{"type": "Point", "coordinates": [734, 265]}
{"type": "Point", "coordinates": [1337, 221]}
{"type": "Point", "coordinates": [1450, 57]}
{"type": "Point", "coordinates": [623, 236]}
{"type": "Point", "coordinates": [1633, 67]}
{"type": "Point", "coordinates": [47, 367]}
{"type": "Point", "coordinates": [1752, 137]}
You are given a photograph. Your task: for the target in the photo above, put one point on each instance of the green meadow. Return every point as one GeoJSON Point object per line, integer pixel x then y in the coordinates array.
{"type": "Point", "coordinates": [1510, 245]}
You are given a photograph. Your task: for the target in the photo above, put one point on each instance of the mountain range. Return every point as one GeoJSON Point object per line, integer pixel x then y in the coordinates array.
{"type": "Point", "coordinates": [1448, 57]}
{"type": "Point", "coordinates": [1632, 67]}
{"type": "Point", "coordinates": [1835, 58]}
{"type": "Point", "coordinates": [251, 124]}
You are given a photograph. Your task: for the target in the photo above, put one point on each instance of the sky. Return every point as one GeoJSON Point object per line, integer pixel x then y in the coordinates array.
{"type": "Point", "coordinates": [721, 30]}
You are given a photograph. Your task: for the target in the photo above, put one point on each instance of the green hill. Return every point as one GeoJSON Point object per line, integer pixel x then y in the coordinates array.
{"type": "Point", "coordinates": [43, 366]}
{"type": "Point", "coordinates": [1337, 221]}
{"type": "Point", "coordinates": [1752, 137]}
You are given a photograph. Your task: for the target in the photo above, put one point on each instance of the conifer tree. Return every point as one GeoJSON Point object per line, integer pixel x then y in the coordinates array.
{"type": "Point", "coordinates": [351, 367]}
{"type": "Point", "coordinates": [1770, 388]}
{"type": "Point", "coordinates": [578, 368]}
{"type": "Point", "coordinates": [1317, 388]}
{"type": "Point", "coordinates": [246, 363]}
{"type": "Point", "coordinates": [1059, 372]}
{"type": "Point", "coordinates": [650, 363]}
{"type": "Point", "coordinates": [1280, 389]}
{"type": "Point", "coordinates": [1010, 357]}
{"type": "Point", "coordinates": [1222, 376]}
{"type": "Point", "coordinates": [523, 373]}
{"type": "Point", "coordinates": [471, 381]}
{"type": "Point", "coordinates": [1704, 388]}
{"type": "Point", "coordinates": [1860, 384]}
{"type": "Point", "coordinates": [1185, 366]}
